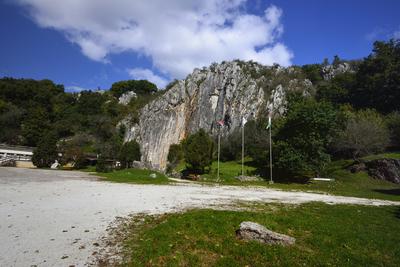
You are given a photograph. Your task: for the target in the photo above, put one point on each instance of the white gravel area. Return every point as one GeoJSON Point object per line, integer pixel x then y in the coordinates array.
{"type": "Point", "coordinates": [53, 218]}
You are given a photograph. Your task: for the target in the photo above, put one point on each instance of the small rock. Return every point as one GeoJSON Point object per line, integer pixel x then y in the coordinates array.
{"type": "Point", "coordinates": [86, 231]}
{"type": "Point", "coordinates": [64, 257]}
{"type": "Point", "coordinates": [257, 232]}
{"type": "Point", "coordinates": [82, 247]}
{"type": "Point", "coordinates": [64, 231]}
{"type": "Point", "coordinates": [153, 175]}
{"type": "Point", "coordinates": [96, 244]}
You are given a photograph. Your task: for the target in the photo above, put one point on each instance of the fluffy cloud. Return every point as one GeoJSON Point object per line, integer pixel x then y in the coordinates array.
{"type": "Point", "coordinates": [146, 74]}
{"type": "Point", "coordinates": [176, 35]}
{"type": "Point", "coordinates": [75, 89]}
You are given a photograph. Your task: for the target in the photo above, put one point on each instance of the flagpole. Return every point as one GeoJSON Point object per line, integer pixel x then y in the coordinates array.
{"type": "Point", "coordinates": [219, 140]}
{"type": "Point", "coordinates": [270, 153]}
{"type": "Point", "coordinates": [242, 148]}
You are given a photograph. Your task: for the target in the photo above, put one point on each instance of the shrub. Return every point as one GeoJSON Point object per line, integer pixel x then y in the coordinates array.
{"type": "Point", "coordinates": [231, 146]}
{"type": "Point", "coordinates": [46, 152]}
{"type": "Point", "coordinates": [197, 149]}
{"type": "Point", "coordinates": [365, 133]}
{"type": "Point", "coordinates": [393, 123]}
{"type": "Point", "coordinates": [102, 165]}
{"type": "Point", "coordinates": [175, 155]}
{"type": "Point", "coordinates": [307, 131]}
{"type": "Point", "coordinates": [130, 151]}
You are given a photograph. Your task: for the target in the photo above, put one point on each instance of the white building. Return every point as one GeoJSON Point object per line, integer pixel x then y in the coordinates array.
{"type": "Point", "coordinates": [17, 153]}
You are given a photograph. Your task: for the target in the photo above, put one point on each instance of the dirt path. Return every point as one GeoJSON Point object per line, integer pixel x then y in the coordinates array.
{"type": "Point", "coordinates": [53, 218]}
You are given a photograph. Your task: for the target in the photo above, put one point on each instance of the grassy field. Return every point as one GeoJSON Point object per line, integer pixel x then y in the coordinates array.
{"type": "Point", "coordinates": [345, 183]}
{"type": "Point", "coordinates": [136, 176]}
{"type": "Point", "coordinates": [338, 235]}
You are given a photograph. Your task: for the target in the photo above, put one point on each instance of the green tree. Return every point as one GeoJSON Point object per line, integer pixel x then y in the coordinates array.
{"type": "Point", "coordinates": [303, 139]}
{"type": "Point", "coordinates": [46, 152]}
{"type": "Point", "coordinates": [140, 87]}
{"type": "Point", "coordinates": [10, 123]}
{"type": "Point", "coordinates": [175, 156]}
{"type": "Point", "coordinates": [130, 151]}
{"type": "Point", "coordinates": [102, 164]}
{"type": "Point", "coordinates": [365, 132]}
{"type": "Point", "coordinates": [337, 89]}
{"type": "Point", "coordinates": [378, 79]}
{"type": "Point", "coordinates": [393, 123]}
{"type": "Point", "coordinates": [197, 149]}
{"type": "Point", "coordinates": [35, 126]}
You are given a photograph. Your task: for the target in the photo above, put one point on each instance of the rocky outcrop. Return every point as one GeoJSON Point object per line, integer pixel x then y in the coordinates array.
{"type": "Point", "coordinates": [255, 232]}
{"type": "Point", "coordinates": [384, 169]}
{"type": "Point", "coordinates": [330, 71]}
{"type": "Point", "coordinates": [228, 91]}
{"type": "Point", "coordinates": [125, 98]}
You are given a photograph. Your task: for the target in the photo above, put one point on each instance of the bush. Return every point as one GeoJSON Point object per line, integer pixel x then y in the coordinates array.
{"type": "Point", "coordinates": [102, 165]}
{"type": "Point", "coordinates": [365, 133]}
{"type": "Point", "coordinates": [197, 149]}
{"type": "Point", "coordinates": [393, 123]}
{"type": "Point", "coordinates": [175, 155]}
{"type": "Point", "coordinates": [231, 146]}
{"type": "Point", "coordinates": [46, 152]}
{"type": "Point", "coordinates": [130, 151]}
{"type": "Point", "coordinates": [306, 133]}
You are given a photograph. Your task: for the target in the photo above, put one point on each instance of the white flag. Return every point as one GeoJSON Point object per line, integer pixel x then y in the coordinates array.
{"type": "Point", "coordinates": [244, 121]}
{"type": "Point", "coordinates": [269, 122]}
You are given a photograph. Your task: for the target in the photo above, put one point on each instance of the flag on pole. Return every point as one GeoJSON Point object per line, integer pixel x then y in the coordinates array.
{"type": "Point", "coordinates": [269, 122]}
{"type": "Point", "coordinates": [244, 121]}
{"type": "Point", "coordinates": [220, 123]}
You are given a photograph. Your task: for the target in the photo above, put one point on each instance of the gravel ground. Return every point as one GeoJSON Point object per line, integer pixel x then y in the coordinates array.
{"type": "Point", "coordinates": [55, 218]}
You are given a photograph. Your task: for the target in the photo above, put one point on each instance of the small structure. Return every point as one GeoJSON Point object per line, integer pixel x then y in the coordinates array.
{"type": "Point", "coordinates": [21, 155]}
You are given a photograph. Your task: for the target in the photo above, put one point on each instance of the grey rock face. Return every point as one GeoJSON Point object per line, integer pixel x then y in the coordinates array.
{"type": "Point", "coordinates": [229, 91]}
{"type": "Point", "coordinates": [254, 231]}
{"type": "Point", "coordinates": [330, 71]}
{"type": "Point", "coordinates": [126, 98]}
{"type": "Point", "coordinates": [385, 169]}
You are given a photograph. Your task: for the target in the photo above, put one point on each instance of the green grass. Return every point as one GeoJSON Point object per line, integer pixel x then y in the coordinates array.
{"type": "Point", "coordinates": [393, 155]}
{"type": "Point", "coordinates": [338, 235]}
{"type": "Point", "coordinates": [346, 183]}
{"type": "Point", "coordinates": [136, 176]}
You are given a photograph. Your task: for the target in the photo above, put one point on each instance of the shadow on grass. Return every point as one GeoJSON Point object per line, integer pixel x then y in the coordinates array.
{"type": "Point", "coordinates": [395, 192]}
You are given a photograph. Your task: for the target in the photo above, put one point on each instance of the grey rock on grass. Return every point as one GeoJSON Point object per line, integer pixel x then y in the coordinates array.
{"type": "Point", "coordinates": [254, 231]}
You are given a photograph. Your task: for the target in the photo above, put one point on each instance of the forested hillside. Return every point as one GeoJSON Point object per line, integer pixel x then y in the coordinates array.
{"type": "Point", "coordinates": [352, 110]}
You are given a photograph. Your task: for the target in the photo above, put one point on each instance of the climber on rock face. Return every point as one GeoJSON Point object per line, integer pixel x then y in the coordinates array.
{"type": "Point", "coordinates": [227, 121]}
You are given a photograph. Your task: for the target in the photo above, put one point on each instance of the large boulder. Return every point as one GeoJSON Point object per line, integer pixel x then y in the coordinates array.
{"type": "Point", "coordinates": [257, 232]}
{"type": "Point", "coordinates": [384, 169]}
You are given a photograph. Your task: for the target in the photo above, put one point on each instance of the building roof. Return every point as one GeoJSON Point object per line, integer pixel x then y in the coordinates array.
{"type": "Point", "coordinates": [17, 148]}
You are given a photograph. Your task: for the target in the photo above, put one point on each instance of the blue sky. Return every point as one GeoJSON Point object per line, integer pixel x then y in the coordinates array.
{"type": "Point", "coordinates": [94, 44]}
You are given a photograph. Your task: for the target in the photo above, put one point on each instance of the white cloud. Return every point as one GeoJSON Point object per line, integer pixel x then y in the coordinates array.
{"type": "Point", "coordinates": [177, 35]}
{"type": "Point", "coordinates": [75, 89]}
{"type": "Point", "coordinates": [146, 74]}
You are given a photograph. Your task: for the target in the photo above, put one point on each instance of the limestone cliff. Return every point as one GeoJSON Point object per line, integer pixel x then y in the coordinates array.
{"type": "Point", "coordinates": [228, 91]}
